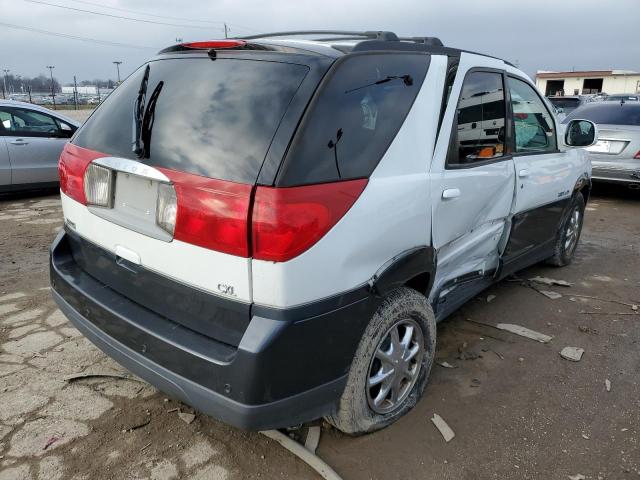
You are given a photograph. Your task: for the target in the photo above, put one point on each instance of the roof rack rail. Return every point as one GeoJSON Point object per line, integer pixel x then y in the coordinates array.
{"type": "Point", "coordinates": [377, 35]}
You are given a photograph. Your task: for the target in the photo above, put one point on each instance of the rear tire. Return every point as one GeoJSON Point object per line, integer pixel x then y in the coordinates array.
{"type": "Point", "coordinates": [569, 234]}
{"type": "Point", "coordinates": [398, 345]}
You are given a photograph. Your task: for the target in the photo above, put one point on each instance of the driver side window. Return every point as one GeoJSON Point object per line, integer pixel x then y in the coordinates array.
{"type": "Point", "coordinates": [533, 124]}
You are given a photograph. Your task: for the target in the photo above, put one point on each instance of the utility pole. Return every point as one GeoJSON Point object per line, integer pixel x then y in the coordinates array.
{"type": "Point", "coordinates": [4, 79]}
{"type": "Point", "coordinates": [226, 31]}
{"type": "Point", "coordinates": [117, 64]}
{"type": "Point", "coordinates": [75, 92]}
{"type": "Point", "coordinates": [53, 91]}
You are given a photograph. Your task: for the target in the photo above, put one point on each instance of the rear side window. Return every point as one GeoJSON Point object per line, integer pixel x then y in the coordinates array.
{"type": "Point", "coordinates": [354, 117]}
{"type": "Point", "coordinates": [214, 118]}
{"type": "Point", "coordinates": [608, 113]}
{"type": "Point", "coordinates": [479, 130]}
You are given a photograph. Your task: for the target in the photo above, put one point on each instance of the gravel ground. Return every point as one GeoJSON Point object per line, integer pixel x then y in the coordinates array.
{"type": "Point", "coordinates": [518, 409]}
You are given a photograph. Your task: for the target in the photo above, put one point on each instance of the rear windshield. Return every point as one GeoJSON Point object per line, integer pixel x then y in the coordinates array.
{"type": "Point", "coordinates": [214, 118]}
{"type": "Point", "coordinates": [354, 117]}
{"type": "Point", "coordinates": [608, 113]}
{"type": "Point", "coordinates": [565, 102]}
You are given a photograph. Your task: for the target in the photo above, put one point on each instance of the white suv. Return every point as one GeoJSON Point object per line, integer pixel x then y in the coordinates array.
{"type": "Point", "coordinates": [268, 228]}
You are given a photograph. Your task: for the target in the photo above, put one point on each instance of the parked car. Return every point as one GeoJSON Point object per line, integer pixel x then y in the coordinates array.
{"type": "Point", "coordinates": [616, 155]}
{"type": "Point", "coordinates": [567, 104]}
{"type": "Point", "coordinates": [622, 97]}
{"type": "Point", "coordinates": [295, 216]}
{"type": "Point", "coordinates": [31, 139]}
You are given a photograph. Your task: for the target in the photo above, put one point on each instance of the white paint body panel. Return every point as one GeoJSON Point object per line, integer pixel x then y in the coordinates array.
{"type": "Point", "coordinates": [391, 216]}
{"type": "Point", "coordinates": [189, 264]}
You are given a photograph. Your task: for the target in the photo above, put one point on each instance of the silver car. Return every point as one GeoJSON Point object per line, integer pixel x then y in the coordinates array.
{"type": "Point", "coordinates": [31, 139]}
{"type": "Point", "coordinates": [616, 155]}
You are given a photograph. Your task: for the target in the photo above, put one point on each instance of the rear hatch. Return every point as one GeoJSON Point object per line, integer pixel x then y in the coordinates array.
{"type": "Point", "coordinates": [193, 130]}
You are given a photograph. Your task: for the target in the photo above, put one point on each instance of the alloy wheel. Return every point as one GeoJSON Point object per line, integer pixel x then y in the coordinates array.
{"type": "Point", "coordinates": [572, 231]}
{"type": "Point", "coordinates": [395, 366]}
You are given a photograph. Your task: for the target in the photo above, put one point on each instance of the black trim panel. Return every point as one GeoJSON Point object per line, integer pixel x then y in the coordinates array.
{"type": "Point", "coordinates": [211, 315]}
{"type": "Point", "coordinates": [533, 234]}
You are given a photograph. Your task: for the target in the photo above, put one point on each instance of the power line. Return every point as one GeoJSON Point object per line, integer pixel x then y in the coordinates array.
{"type": "Point", "coordinates": [74, 37]}
{"type": "Point", "coordinates": [137, 12]}
{"type": "Point", "coordinates": [121, 17]}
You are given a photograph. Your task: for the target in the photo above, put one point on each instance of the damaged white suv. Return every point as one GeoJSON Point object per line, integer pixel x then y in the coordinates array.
{"type": "Point", "coordinates": [268, 228]}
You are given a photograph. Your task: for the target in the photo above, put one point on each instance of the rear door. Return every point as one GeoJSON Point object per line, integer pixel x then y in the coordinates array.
{"type": "Point", "coordinates": [545, 175]}
{"type": "Point", "coordinates": [474, 182]}
{"type": "Point", "coordinates": [34, 141]}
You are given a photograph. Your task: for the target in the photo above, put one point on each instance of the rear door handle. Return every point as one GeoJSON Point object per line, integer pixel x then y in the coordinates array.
{"type": "Point", "coordinates": [450, 193]}
{"type": "Point", "coordinates": [524, 173]}
{"type": "Point", "coordinates": [19, 141]}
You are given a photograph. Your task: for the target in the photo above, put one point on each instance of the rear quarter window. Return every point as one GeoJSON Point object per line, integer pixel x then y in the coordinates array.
{"type": "Point", "coordinates": [214, 118]}
{"type": "Point", "coordinates": [354, 117]}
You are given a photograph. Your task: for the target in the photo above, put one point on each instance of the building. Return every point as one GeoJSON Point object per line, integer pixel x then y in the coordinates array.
{"type": "Point", "coordinates": [87, 90]}
{"type": "Point", "coordinates": [588, 82]}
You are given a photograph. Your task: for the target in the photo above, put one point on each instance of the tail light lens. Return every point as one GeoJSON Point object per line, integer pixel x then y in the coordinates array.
{"type": "Point", "coordinates": [288, 221]}
{"type": "Point", "coordinates": [71, 168]}
{"type": "Point", "coordinates": [637, 155]}
{"type": "Point", "coordinates": [167, 207]}
{"type": "Point", "coordinates": [211, 213]}
{"type": "Point", "coordinates": [98, 186]}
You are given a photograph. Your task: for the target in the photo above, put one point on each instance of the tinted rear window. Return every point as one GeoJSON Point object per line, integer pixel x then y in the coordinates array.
{"type": "Point", "coordinates": [608, 113]}
{"type": "Point", "coordinates": [354, 117]}
{"type": "Point", "coordinates": [212, 118]}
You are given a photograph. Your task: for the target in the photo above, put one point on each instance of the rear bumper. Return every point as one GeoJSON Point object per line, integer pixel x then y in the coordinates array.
{"type": "Point", "coordinates": [622, 172]}
{"type": "Point", "coordinates": [290, 366]}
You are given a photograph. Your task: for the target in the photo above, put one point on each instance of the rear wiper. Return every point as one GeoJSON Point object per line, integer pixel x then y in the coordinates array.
{"type": "Point", "coordinates": [147, 123]}
{"type": "Point", "coordinates": [407, 79]}
{"type": "Point", "coordinates": [138, 115]}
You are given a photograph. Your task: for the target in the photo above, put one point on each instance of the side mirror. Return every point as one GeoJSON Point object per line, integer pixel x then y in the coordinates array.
{"type": "Point", "coordinates": [580, 133]}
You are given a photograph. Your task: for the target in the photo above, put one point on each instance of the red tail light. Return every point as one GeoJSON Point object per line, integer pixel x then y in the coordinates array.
{"type": "Point", "coordinates": [221, 44]}
{"type": "Point", "coordinates": [521, 116]}
{"type": "Point", "coordinates": [71, 167]}
{"type": "Point", "coordinates": [637, 155]}
{"type": "Point", "coordinates": [212, 213]}
{"type": "Point", "coordinates": [288, 221]}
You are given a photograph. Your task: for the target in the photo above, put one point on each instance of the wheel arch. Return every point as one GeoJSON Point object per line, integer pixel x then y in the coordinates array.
{"type": "Point", "coordinates": [414, 268]}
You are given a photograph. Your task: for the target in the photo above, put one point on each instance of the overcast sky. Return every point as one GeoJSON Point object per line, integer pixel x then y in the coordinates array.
{"type": "Point", "coordinates": [538, 35]}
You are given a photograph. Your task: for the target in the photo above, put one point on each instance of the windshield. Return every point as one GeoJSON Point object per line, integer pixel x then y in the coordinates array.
{"type": "Point", "coordinates": [608, 113]}
{"type": "Point", "coordinates": [565, 103]}
{"type": "Point", "coordinates": [212, 118]}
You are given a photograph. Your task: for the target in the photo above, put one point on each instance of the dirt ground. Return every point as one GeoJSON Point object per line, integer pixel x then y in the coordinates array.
{"type": "Point", "coordinates": [518, 409]}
